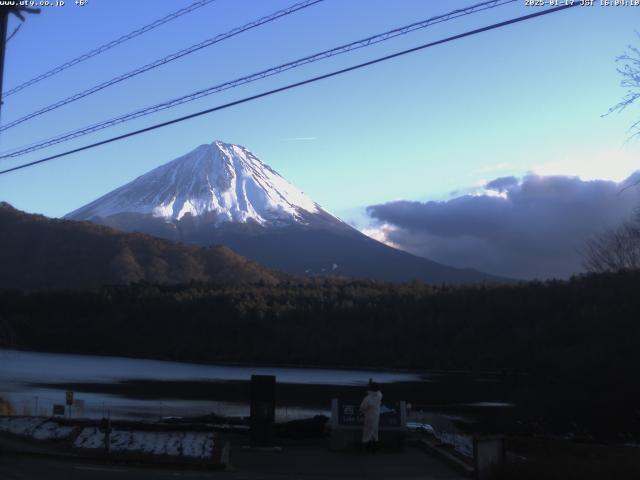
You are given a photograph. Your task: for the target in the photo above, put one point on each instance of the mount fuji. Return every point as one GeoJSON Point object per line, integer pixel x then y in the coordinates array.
{"type": "Point", "coordinates": [223, 194]}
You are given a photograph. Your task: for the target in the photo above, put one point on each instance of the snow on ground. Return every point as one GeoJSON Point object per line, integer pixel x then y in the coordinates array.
{"type": "Point", "coordinates": [52, 431]}
{"type": "Point", "coordinates": [420, 427]}
{"type": "Point", "coordinates": [462, 444]}
{"type": "Point", "coordinates": [36, 427]}
{"type": "Point", "coordinates": [174, 444]}
{"type": "Point", "coordinates": [197, 444]}
{"type": "Point", "coordinates": [20, 425]}
{"type": "Point", "coordinates": [90, 437]}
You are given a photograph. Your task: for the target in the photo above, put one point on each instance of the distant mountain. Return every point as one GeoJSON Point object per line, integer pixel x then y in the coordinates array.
{"type": "Point", "coordinates": [223, 194]}
{"type": "Point", "coordinates": [38, 252]}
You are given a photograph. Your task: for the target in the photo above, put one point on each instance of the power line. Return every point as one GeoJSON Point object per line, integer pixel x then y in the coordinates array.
{"type": "Point", "coordinates": [5, 11]}
{"type": "Point", "coordinates": [15, 30]}
{"type": "Point", "coordinates": [163, 61]}
{"type": "Point", "coordinates": [372, 40]}
{"type": "Point", "coordinates": [109, 45]}
{"type": "Point", "coordinates": [293, 85]}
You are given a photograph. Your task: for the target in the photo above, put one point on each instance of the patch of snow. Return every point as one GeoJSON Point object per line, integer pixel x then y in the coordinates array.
{"type": "Point", "coordinates": [421, 427]}
{"type": "Point", "coordinates": [219, 178]}
{"type": "Point", "coordinates": [187, 207]}
{"type": "Point", "coordinates": [20, 425]}
{"type": "Point", "coordinates": [462, 444]}
{"type": "Point", "coordinates": [52, 431]}
{"type": "Point", "coordinates": [90, 437]}
{"type": "Point", "coordinates": [36, 427]}
{"type": "Point", "coordinates": [175, 444]}
{"type": "Point", "coordinates": [197, 445]}
{"type": "Point", "coordinates": [164, 209]}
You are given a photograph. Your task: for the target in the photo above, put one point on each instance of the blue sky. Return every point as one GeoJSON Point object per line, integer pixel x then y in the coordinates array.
{"type": "Point", "coordinates": [528, 97]}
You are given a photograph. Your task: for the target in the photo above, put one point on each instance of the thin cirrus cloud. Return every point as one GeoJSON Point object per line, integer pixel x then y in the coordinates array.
{"type": "Point", "coordinates": [530, 227]}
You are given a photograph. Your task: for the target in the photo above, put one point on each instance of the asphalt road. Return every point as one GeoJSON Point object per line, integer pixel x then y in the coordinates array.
{"type": "Point", "coordinates": [292, 463]}
{"type": "Point", "coordinates": [20, 467]}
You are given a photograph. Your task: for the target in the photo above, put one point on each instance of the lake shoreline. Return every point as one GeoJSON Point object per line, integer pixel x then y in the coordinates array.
{"type": "Point", "coordinates": [141, 387]}
{"type": "Point", "coordinates": [327, 366]}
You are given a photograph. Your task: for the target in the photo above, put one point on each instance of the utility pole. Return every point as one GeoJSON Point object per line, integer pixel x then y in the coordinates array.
{"type": "Point", "coordinates": [4, 22]}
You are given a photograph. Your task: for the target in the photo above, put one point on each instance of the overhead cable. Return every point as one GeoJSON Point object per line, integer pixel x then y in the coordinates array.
{"type": "Point", "coordinates": [108, 46]}
{"type": "Point", "coordinates": [292, 86]}
{"type": "Point", "coordinates": [366, 42]}
{"type": "Point", "coordinates": [162, 61]}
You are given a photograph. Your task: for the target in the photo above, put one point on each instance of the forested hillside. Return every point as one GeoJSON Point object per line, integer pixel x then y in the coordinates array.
{"type": "Point", "coordinates": [576, 341]}
{"type": "Point", "coordinates": [39, 252]}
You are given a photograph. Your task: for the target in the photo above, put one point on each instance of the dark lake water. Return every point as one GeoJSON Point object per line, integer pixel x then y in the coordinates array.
{"type": "Point", "coordinates": [137, 388]}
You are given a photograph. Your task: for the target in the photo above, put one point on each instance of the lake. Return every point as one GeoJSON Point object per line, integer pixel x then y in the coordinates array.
{"type": "Point", "coordinates": [138, 388]}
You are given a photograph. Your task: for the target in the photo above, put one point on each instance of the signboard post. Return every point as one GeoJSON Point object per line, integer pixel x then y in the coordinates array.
{"type": "Point", "coordinates": [58, 410]}
{"type": "Point", "coordinates": [105, 426]}
{"type": "Point", "coordinates": [78, 407]}
{"type": "Point", "coordinates": [69, 401]}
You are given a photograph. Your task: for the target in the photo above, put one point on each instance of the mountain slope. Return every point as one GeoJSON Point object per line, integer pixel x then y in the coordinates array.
{"type": "Point", "coordinates": [223, 194]}
{"type": "Point", "coordinates": [38, 252]}
{"type": "Point", "coordinates": [225, 181]}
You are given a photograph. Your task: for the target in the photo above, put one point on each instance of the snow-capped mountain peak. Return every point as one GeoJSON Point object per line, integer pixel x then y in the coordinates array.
{"type": "Point", "coordinates": [221, 194]}
{"type": "Point", "coordinates": [222, 179]}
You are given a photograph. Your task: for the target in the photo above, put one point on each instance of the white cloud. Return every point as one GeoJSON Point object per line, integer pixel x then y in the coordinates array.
{"type": "Point", "coordinates": [381, 233]}
{"type": "Point", "coordinates": [615, 165]}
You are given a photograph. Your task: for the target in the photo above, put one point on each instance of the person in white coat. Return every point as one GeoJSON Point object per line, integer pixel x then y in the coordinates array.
{"type": "Point", "coordinates": [370, 408]}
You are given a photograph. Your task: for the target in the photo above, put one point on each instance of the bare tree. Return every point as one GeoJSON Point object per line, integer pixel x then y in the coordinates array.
{"type": "Point", "coordinates": [629, 69]}
{"type": "Point", "coordinates": [619, 248]}
{"type": "Point", "coordinates": [615, 250]}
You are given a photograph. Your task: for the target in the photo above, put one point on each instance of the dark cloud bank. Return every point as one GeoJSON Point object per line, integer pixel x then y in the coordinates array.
{"type": "Point", "coordinates": [536, 228]}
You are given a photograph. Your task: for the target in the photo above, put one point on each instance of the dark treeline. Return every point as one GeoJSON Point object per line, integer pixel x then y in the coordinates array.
{"type": "Point", "coordinates": [577, 341]}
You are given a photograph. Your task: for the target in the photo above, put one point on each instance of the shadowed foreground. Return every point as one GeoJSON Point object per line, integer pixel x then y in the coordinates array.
{"type": "Point", "coordinates": [293, 462]}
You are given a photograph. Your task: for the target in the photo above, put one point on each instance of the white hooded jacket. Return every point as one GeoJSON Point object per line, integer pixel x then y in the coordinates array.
{"type": "Point", "coordinates": [370, 407]}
